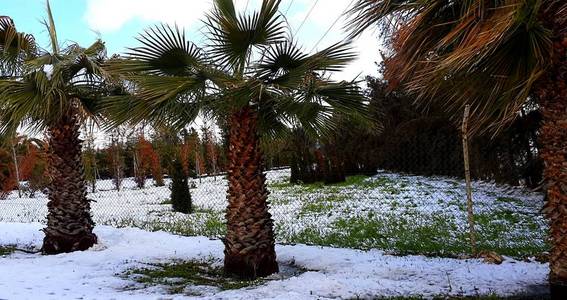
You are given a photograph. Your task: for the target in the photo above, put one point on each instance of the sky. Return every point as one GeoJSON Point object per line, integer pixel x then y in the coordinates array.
{"type": "Point", "coordinates": [118, 22]}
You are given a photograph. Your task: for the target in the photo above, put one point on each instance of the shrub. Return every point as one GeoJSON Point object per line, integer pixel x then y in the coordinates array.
{"type": "Point", "coordinates": [180, 195]}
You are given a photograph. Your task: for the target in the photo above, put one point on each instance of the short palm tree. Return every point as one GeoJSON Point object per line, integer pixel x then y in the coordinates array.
{"type": "Point", "coordinates": [255, 79]}
{"type": "Point", "coordinates": [54, 92]}
{"type": "Point", "coordinates": [492, 55]}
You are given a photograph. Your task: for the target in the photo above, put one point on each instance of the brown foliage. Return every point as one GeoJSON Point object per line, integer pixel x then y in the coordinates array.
{"type": "Point", "coordinates": [7, 174]}
{"type": "Point", "coordinates": [33, 168]}
{"type": "Point", "coordinates": [149, 160]}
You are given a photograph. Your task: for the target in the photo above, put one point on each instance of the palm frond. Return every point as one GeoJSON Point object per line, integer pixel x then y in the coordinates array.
{"type": "Point", "coordinates": [86, 63]}
{"type": "Point", "coordinates": [286, 65]}
{"type": "Point", "coordinates": [41, 87]}
{"type": "Point", "coordinates": [134, 110]}
{"type": "Point", "coordinates": [453, 53]}
{"type": "Point", "coordinates": [386, 13]}
{"type": "Point", "coordinates": [14, 47]}
{"type": "Point", "coordinates": [281, 111]}
{"type": "Point", "coordinates": [30, 100]}
{"type": "Point", "coordinates": [161, 89]}
{"type": "Point", "coordinates": [50, 25]}
{"type": "Point", "coordinates": [233, 36]}
{"type": "Point", "coordinates": [280, 59]}
{"type": "Point", "coordinates": [165, 51]}
{"type": "Point", "coordinates": [344, 97]}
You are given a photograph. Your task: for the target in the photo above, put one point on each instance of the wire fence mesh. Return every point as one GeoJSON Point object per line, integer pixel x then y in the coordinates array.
{"type": "Point", "coordinates": [396, 212]}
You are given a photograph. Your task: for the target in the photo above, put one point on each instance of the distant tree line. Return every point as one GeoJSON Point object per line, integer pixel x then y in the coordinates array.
{"type": "Point", "coordinates": [129, 153]}
{"type": "Point", "coordinates": [411, 139]}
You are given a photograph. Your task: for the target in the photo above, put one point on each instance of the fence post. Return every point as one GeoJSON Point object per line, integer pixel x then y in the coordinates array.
{"type": "Point", "coordinates": [17, 168]}
{"type": "Point", "coordinates": [470, 213]}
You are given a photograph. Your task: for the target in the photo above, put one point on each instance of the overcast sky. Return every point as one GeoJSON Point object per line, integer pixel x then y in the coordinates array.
{"type": "Point", "coordinates": [118, 22]}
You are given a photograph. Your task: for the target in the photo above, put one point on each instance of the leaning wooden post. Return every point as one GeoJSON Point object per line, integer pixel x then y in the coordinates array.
{"type": "Point", "coordinates": [17, 169]}
{"type": "Point", "coordinates": [470, 212]}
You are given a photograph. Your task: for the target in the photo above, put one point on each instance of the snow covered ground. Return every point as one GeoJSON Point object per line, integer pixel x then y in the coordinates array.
{"type": "Point", "coordinates": [393, 212]}
{"type": "Point", "coordinates": [335, 273]}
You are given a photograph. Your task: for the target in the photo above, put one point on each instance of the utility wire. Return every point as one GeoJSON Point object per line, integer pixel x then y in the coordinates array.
{"type": "Point", "coordinates": [332, 25]}
{"type": "Point", "coordinates": [307, 16]}
{"type": "Point", "coordinates": [288, 7]}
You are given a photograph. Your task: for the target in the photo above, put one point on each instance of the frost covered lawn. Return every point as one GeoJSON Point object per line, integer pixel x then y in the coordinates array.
{"type": "Point", "coordinates": [101, 273]}
{"type": "Point", "coordinates": [398, 213]}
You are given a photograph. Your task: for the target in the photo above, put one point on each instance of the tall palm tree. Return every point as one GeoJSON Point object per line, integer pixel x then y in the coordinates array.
{"type": "Point", "coordinates": [256, 79]}
{"type": "Point", "coordinates": [54, 91]}
{"type": "Point", "coordinates": [492, 55]}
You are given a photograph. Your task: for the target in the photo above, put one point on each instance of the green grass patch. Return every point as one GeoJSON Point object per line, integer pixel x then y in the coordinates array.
{"type": "Point", "coordinates": [316, 208]}
{"type": "Point", "coordinates": [280, 185]}
{"type": "Point", "coordinates": [360, 181]}
{"type": "Point", "coordinates": [414, 233]}
{"type": "Point", "coordinates": [366, 182]}
{"type": "Point", "coordinates": [205, 222]}
{"type": "Point", "coordinates": [369, 212]}
{"type": "Point", "coordinates": [215, 226]}
{"type": "Point", "coordinates": [504, 231]}
{"type": "Point", "coordinates": [176, 276]}
{"type": "Point", "coordinates": [166, 202]}
{"type": "Point", "coordinates": [510, 200]}
{"type": "Point", "coordinates": [7, 250]}
{"type": "Point", "coordinates": [191, 277]}
{"type": "Point", "coordinates": [322, 204]}
{"type": "Point", "coordinates": [357, 180]}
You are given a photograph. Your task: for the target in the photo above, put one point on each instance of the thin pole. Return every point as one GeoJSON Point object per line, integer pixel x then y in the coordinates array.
{"type": "Point", "coordinates": [17, 169]}
{"type": "Point", "coordinates": [470, 212]}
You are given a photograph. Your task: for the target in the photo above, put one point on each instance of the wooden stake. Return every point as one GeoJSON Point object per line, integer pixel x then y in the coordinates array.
{"type": "Point", "coordinates": [17, 169]}
{"type": "Point", "coordinates": [470, 213]}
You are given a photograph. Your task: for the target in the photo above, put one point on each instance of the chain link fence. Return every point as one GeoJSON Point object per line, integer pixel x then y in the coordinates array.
{"type": "Point", "coordinates": [392, 211]}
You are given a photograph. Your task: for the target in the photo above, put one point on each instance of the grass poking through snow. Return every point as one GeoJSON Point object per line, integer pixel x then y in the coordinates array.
{"type": "Point", "coordinates": [194, 278]}
{"type": "Point", "coordinates": [394, 212]}
{"type": "Point", "coordinates": [7, 250]}
{"type": "Point", "coordinates": [412, 215]}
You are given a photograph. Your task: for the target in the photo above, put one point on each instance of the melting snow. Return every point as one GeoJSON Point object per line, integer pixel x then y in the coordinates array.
{"type": "Point", "coordinates": [339, 273]}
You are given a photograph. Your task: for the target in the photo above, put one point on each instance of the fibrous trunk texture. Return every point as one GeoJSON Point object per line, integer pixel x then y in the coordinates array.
{"type": "Point", "coordinates": [552, 94]}
{"type": "Point", "coordinates": [69, 223]}
{"type": "Point", "coordinates": [249, 243]}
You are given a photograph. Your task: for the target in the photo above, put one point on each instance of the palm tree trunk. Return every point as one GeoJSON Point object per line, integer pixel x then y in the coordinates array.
{"type": "Point", "coordinates": [69, 224]}
{"type": "Point", "coordinates": [552, 94]}
{"type": "Point", "coordinates": [249, 243]}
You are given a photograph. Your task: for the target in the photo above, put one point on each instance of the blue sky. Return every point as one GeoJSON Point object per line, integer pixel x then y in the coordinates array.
{"type": "Point", "coordinates": [117, 22]}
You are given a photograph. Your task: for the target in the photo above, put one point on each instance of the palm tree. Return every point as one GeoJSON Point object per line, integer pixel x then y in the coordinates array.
{"type": "Point", "coordinates": [253, 77]}
{"type": "Point", "coordinates": [54, 92]}
{"type": "Point", "coordinates": [492, 55]}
